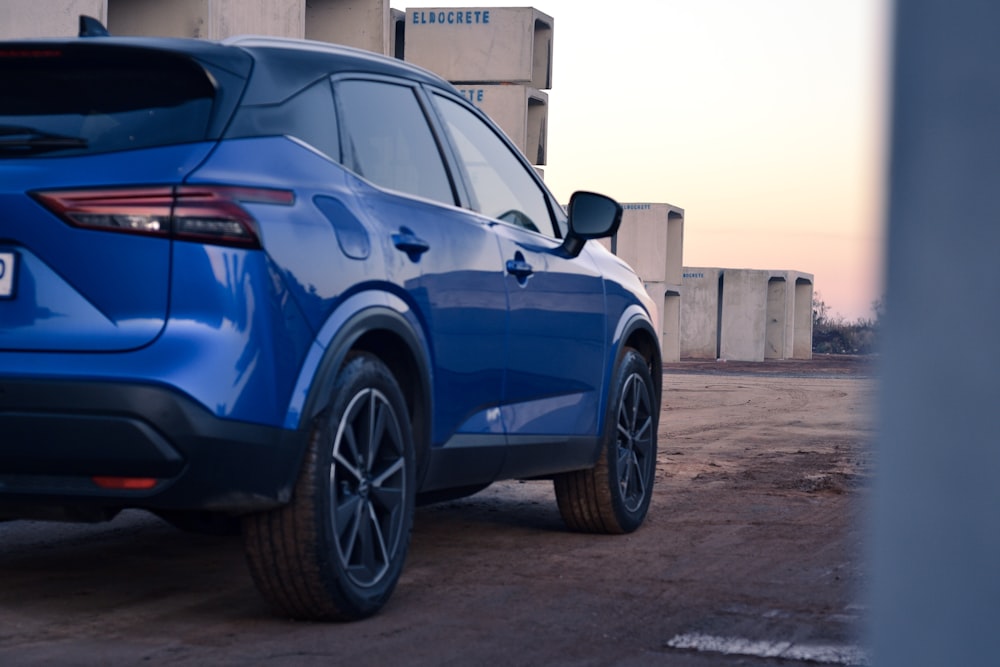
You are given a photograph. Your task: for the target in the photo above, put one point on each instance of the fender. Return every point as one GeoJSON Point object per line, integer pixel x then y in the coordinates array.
{"type": "Point", "coordinates": [359, 314]}
{"type": "Point", "coordinates": [634, 319]}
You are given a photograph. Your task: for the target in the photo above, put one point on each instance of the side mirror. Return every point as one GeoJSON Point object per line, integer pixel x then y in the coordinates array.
{"type": "Point", "coordinates": [591, 216]}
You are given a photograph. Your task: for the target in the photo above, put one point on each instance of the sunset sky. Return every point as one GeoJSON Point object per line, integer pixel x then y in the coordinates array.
{"type": "Point", "coordinates": [763, 120]}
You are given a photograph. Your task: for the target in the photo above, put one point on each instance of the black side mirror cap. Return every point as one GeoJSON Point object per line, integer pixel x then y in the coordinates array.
{"type": "Point", "coordinates": [591, 216]}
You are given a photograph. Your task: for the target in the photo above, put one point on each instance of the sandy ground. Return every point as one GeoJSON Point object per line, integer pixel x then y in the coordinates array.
{"type": "Point", "coordinates": [753, 545]}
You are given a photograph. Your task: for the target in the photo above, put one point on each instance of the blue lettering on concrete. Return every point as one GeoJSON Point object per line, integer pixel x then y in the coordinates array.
{"type": "Point", "coordinates": [473, 94]}
{"type": "Point", "coordinates": [694, 275]}
{"type": "Point", "coordinates": [636, 207]}
{"type": "Point", "coordinates": [468, 17]}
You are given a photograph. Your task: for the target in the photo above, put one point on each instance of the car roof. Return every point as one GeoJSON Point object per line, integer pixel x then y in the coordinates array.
{"type": "Point", "coordinates": [276, 67]}
{"type": "Point", "coordinates": [284, 66]}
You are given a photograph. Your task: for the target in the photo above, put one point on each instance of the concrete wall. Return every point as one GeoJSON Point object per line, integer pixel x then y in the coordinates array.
{"type": "Point", "coordinates": [27, 19]}
{"type": "Point", "coordinates": [482, 44]}
{"type": "Point", "coordinates": [745, 314]}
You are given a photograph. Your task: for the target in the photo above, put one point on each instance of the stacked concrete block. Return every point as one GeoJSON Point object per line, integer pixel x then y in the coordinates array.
{"type": "Point", "coordinates": [397, 33]}
{"type": "Point", "coordinates": [364, 24]}
{"type": "Point", "coordinates": [746, 314]}
{"type": "Point", "coordinates": [521, 111]}
{"type": "Point", "coordinates": [500, 57]}
{"type": "Point", "coordinates": [206, 19]}
{"type": "Point", "coordinates": [651, 240]}
{"type": "Point", "coordinates": [30, 19]}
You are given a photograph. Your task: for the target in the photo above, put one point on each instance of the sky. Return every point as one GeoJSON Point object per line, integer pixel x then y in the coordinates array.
{"type": "Point", "coordinates": [764, 120]}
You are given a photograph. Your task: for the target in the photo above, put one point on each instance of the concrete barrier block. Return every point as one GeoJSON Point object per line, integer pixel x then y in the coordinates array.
{"type": "Point", "coordinates": [482, 44]}
{"type": "Point", "coordinates": [397, 33]}
{"type": "Point", "coordinates": [30, 19]}
{"type": "Point", "coordinates": [520, 111]}
{"type": "Point", "coordinates": [801, 315]}
{"type": "Point", "coordinates": [364, 24]}
{"type": "Point", "coordinates": [743, 315]}
{"type": "Point", "coordinates": [207, 19]}
{"type": "Point", "coordinates": [701, 290]}
{"type": "Point", "coordinates": [667, 318]}
{"type": "Point", "coordinates": [651, 240]}
{"type": "Point", "coordinates": [746, 314]}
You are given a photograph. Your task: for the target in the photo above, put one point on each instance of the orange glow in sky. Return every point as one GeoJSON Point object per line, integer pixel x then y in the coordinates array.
{"type": "Point", "coordinates": [762, 119]}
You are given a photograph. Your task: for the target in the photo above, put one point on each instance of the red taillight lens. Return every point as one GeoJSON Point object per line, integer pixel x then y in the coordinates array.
{"type": "Point", "coordinates": [207, 214]}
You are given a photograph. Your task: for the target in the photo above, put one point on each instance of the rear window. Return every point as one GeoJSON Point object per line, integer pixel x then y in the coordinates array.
{"type": "Point", "coordinates": [58, 104]}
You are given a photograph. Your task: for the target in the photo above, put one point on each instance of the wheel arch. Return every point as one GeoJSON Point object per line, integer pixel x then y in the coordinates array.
{"type": "Point", "coordinates": [636, 331]}
{"type": "Point", "coordinates": [388, 334]}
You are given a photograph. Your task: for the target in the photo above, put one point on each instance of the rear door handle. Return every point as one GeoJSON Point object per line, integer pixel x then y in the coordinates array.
{"type": "Point", "coordinates": [410, 243]}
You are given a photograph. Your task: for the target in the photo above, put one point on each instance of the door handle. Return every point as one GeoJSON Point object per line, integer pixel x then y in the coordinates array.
{"type": "Point", "coordinates": [410, 243]}
{"type": "Point", "coordinates": [519, 268]}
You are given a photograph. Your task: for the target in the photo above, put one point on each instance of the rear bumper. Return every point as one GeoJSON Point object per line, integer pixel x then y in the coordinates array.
{"type": "Point", "coordinates": [56, 436]}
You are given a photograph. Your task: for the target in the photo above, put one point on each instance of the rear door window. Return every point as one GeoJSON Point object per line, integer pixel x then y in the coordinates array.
{"type": "Point", "coordinates": [388, 141]}
{"type": "Point", "coordinates": [57, 104]}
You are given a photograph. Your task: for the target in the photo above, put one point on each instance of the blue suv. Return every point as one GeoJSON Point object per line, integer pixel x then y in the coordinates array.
{"type": "Point", "coordinates": [300, 289]}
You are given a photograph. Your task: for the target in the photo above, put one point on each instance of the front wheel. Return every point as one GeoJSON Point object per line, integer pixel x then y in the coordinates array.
{"type": "Point", "coordinates": [336, 551]}
{"type": "Point", "coordinates": [614, 495]}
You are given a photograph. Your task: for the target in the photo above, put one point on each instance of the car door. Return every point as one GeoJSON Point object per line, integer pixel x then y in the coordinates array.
{"type": "Point", "coordinates": [448, 262]}
{"type": "Point", "coordinates": [557, 323]}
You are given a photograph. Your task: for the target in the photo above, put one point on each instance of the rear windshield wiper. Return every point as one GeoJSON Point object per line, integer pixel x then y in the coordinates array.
{"type": "Point", "coordinates": [16, 139]}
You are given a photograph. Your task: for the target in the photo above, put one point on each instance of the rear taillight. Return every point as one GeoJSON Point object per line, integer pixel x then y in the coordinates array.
{"type": "Point", "coordinates": [206, 214]}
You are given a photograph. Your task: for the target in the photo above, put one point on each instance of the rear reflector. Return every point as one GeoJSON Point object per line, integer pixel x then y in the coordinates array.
{"type": "Point", "coordinates": [125, 483]}
{"type": "Point", "coordinates": [206, 214]}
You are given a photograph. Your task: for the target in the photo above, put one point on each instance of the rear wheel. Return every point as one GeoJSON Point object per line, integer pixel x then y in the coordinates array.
{"type": "Point", "coordinates": [614, 495]}
{"type": "Point", "coordinates": [337, 550]}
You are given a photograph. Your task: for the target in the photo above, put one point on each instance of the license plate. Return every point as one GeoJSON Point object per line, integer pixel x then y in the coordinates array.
{"type": "Point", "coordinates": [8, 271]}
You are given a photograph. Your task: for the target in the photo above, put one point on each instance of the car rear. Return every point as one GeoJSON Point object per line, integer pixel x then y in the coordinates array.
{"type": "Point", "coordinates": [128, 318]}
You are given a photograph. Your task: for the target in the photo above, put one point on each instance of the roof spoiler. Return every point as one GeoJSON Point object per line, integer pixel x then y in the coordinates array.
{"type": "Point", "coordinates": [91, 27]}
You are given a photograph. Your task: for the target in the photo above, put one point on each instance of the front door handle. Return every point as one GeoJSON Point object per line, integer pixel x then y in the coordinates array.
{"type": "Point", "coordinates": [519, 268]}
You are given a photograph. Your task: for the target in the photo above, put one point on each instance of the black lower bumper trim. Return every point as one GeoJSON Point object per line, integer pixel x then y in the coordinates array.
{"type": "Point", "coordinates": [56, 436]}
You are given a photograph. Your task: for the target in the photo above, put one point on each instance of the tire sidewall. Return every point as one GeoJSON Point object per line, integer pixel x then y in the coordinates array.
{"type": "Point", "coordinates": [631, 363]}
{"type": "Point", "coordinates": [359, 373]}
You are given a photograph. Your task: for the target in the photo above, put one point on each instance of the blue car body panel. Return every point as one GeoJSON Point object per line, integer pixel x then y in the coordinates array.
{"type": "Point", "coordinates": [80, 289]}
{"type": "Point", "coordinates": [201, 365]}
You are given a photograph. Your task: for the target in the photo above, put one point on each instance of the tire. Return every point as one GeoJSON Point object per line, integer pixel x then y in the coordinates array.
{"type": "Point", "coordinates": [614, 495]}
{"type": "Point", "coordinates": [336, 551]}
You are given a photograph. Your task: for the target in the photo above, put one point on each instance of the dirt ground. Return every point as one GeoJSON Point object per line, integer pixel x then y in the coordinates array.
{"type": "Point", "coordinates": [753, 547]}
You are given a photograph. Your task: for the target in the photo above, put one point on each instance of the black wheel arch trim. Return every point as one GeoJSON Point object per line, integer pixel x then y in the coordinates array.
{"type": "Point", "coordinates": [629, 324]}
{"type": "Point", "coordinates": [361, 331]}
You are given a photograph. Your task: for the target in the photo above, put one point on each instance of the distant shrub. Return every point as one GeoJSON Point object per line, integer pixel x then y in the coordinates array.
{"type": "Point", "coordinates": [835, 335]}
